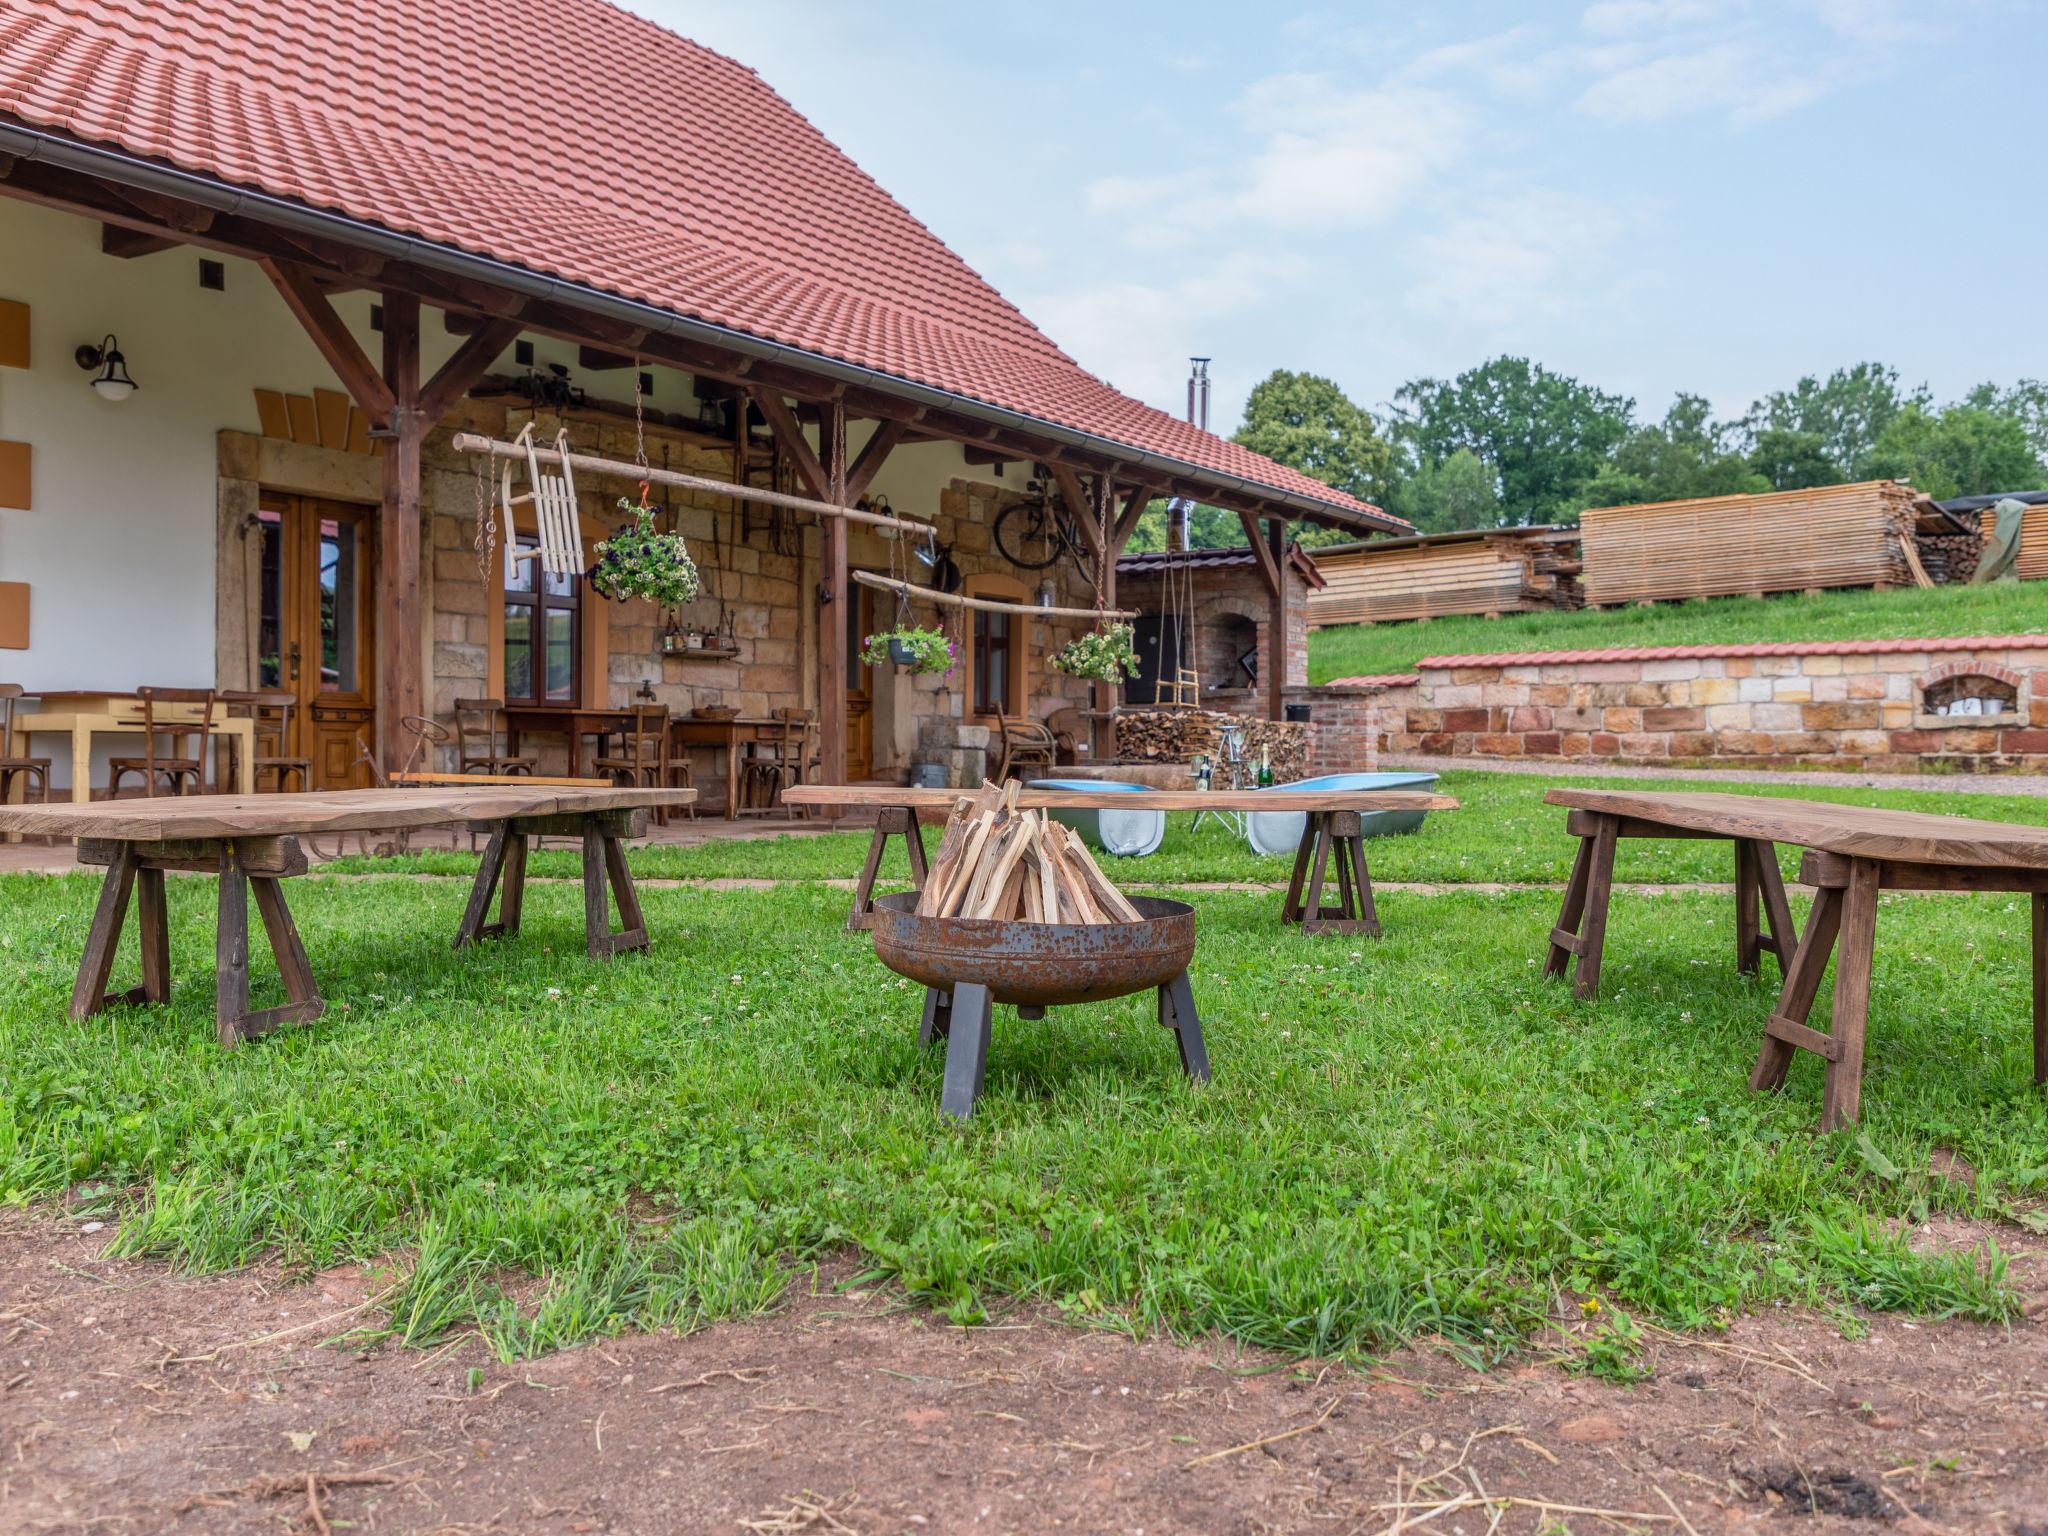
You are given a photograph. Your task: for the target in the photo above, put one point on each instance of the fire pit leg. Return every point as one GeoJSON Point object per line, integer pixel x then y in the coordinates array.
{"type": "Point", "coordinates": [966, 1049]}
{"type": "Point", "coordinates": [1177, 1013]}
{"type": "Point", "coordinates": [937, 1022]}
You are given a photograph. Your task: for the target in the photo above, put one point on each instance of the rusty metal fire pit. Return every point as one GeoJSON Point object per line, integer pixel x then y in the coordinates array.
{"type": "Point", "coordinates": [969, 964]}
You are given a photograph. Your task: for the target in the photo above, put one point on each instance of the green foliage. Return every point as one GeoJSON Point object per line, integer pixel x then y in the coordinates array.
{"type": "Point", "coordinates": [2025, 402]}
{"type": "Point", "coordinates": [1460, 491]}
{"type": "Point", "coordinates": [930, 649]}
{"type": "Point", "coordinates": [1788, 460]}
{"type": "Point", "coordinates": [1839, 419]}
{"type": "Point", "coordinates": [1208, 528]}
{"type": "Point", "coordinates": [1545, 434]}
{"type": "Point", "coordinates": [1687, 454]}
{"type": "Point", "coordinates": [1108, 655]}
{"type": "Point", "coordinates": [1962, 451]}
{"type": "Point", "coordinates": [1306, 422]}
{"type": "Point", "coordinates": [2017, 608]}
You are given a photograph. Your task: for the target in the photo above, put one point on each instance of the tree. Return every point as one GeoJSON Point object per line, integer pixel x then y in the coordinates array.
{"type": "Point", "coordinates": [1846, 413]}
{"type": "Point", "coordinates": [1544, 434]}
{"type": "Point", "coordinates": [1787, 460]}
{"type": "Point", "coordinates": [1460, 492]}
{"type": "Point", "coordinates": [1306, 422]}
{"type": "Point", "coordinates": [1687, 454]}
{"type": "Point", "coordinates": [2026, 402]}
{"type": "Point", "coordinates": [1962, 451]}
{"type": "Point", "coordinates": [1208, 528]}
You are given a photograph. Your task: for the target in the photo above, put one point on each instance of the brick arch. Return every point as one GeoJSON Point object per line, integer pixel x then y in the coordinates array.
{"type": "Point", "coordinates": [2014, 680]}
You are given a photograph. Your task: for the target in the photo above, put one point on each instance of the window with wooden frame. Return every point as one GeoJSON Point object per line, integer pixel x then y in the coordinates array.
{"type": "Point", "coordinates": [542, 649]}
{"type": "Point", "coordinates": [998, 645]}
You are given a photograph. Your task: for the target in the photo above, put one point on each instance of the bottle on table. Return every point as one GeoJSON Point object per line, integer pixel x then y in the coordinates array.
{"type": "Point", "coordinates": [1265, 767]}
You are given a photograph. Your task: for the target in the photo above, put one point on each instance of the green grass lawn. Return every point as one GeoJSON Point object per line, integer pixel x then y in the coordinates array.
{"type": "Point", "coordinates": [1502, 832]}
{"type": "Point", "coordinates": [1349, 650]}
{"type": "Point", "coordinates": [1408, 1137]}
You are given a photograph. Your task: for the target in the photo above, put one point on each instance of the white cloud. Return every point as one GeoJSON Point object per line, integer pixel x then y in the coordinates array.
{"type": "Point", "coordinates": [1733, 77]}
{"type": "Point", "coordinates": [1530, 255]}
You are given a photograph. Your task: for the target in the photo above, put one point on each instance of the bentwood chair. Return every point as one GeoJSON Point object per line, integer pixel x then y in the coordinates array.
{"type": "Point", "coordinates": [776, 759]}
{"type": "Point", "coordinates": [272, 712]}
{"type": "Point", "coordinates": [643, 759]}
{"type": "Point", "coordinates": [30, 770]}
{"type": "Point", "coordinates": [479, 725]}
{"type": "Point", "coordinates": [1025, 744]}
{"type": "Point", "coordinates": [170, 718]}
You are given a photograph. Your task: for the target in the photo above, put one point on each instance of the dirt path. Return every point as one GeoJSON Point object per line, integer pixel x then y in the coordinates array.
{"type": "Point", "coordinates": [1939, 783]}
{"type": "Point", "coordinates": [133, 1400]}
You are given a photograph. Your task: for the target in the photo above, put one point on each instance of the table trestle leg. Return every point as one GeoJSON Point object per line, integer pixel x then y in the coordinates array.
{"type": "Point", "coordinates": [2040, 905]}
{"type": "Point", "coordinates": [1786, 1031]}
{"type": "Point", "coordinates": [234, 1020]}
{"type": "Point", "coordinates": [103, 939]}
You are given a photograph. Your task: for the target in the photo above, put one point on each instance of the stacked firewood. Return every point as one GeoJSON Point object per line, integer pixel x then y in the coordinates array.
{"type": "Point", "coordinates": [1178, 735]}
{"type": "Point", "coordinates": [1017, 866]}
{"type": "Point", "coordinates": [1950, 559]}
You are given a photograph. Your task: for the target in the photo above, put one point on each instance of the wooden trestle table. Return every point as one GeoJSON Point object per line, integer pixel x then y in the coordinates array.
{"type": "Point", "coordinates": [251, 843]}
{"type": "Point", "coordinates": [1853, 853]}
{"type": "Point", "coordinates": [1332, 842]}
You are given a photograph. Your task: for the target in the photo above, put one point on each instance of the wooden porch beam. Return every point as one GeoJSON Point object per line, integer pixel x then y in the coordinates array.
{"type": "Point", "coordinates": [336, 343]}
{"type": "Point", "coordinates": [872, 455]}
{"type": "Point", "coordinates": [186, 218]}
{"type": "Point", "coordinates": [115, 240]}
{"type": "Point", "coordinates": [1141, 497]}
{"type": "Point", "coordinates": [835, 594]}
{"type": "Point", "coordinates": [1269, 568]}
{"type": "Point", "coordinates": [789, 433]}
{"type": "Point", "coordinates": [455, 376]}
{"type": "Point", "coordinates": [1081, 504]}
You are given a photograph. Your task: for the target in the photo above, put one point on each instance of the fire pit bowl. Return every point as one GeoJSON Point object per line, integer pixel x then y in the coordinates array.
{"type": "Point", "coordinates": [969, 964]}
{"type": "Point", "coordinates": [1036, 965]}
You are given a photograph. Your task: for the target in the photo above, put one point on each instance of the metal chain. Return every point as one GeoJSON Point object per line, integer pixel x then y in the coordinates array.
{"type": "Point", "coordinates": [486, 541]}
{"type": "Point", "coordinates": [1102, 500]}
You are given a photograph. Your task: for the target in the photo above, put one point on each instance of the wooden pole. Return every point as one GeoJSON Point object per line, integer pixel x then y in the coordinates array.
{"type": "Point", "coordinates": [1276, 659]}
{"type": "Point", "coordinates": [471, 442]}
{"type": "Point", "coordinates": [1102, 514]}
{"type": "Point", "coordinates": [836, 593]}
{"type": "Point", "coordinates": [398, 532]}
{"type": "Point", "coordinates": [984, 604]}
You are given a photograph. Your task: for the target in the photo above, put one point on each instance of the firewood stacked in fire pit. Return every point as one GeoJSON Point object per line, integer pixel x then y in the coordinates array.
{"type": "Point", "coordinates": [1017, 866]}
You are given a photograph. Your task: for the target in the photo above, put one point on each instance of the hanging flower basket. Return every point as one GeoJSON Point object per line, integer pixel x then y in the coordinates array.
{"type": "Point", "coordinates": [1108, 656]}
{"type": "Point", "coordinates": [642, 561]}
{"type": "Point", "coordinates": [912, 649]}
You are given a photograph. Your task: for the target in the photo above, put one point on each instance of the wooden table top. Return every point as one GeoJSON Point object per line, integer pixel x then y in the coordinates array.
{"type": "Point", "coordinates": [1854, 831]}
{"type": "Point", "coordinates": [350, 810]}
{"type": "Point", "coordinates": [1129, 800]}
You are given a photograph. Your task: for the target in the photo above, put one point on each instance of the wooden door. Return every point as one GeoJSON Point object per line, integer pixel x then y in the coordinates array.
{"type": "Point", "coordinates": [316, 638]}
{"type": "Point", "coordinates": [860, 685]}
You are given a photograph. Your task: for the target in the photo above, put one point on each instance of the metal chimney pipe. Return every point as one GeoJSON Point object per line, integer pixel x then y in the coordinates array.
{"type": "Point", "coordinates": [1198, 392]}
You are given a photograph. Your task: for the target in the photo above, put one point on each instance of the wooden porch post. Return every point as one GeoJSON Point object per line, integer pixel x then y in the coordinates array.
{"type": "Point", "coordinates": [398, 533]}
{"type": "Point", "coordinates": [833, 597]}
{"type": "Point", "coordinates": [1269, 548]}
{"type": "Point", "coordinates": [1103, 515]}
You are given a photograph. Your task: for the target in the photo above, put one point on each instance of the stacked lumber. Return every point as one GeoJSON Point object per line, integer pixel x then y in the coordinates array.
{"type": "Point", "coordinates": [2032, 564]}
{"type": "Point", "coordinates": [1782, 541]}
{"type": "Point", "coordinates": [1481, 570]}
{"type": "Point", "coordinates": [1014, 866]}
{"type": "Point", "coordinates": [1179, 735]}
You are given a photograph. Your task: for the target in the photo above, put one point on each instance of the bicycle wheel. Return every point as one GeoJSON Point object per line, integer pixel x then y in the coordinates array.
{"type": "Point", "coordinates": [1025, 536]}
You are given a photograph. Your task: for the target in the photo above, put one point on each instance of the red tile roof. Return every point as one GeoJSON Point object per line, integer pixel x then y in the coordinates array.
{"type": "Point", "coordinates": [1695, 652]}
{"type": "Point", "coordinates": [576, 140]}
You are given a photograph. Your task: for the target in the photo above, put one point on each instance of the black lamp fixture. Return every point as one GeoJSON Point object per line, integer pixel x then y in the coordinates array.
{"type": "Point", "coordinates": [113, 382]}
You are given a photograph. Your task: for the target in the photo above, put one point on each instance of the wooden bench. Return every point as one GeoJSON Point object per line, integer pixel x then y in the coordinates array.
{"type": "Point", "coordinates": [250, 843]}
{"type": "Point", "coordinates": [1854, 852]}
{"type": "Point", "coordinates": [1331, 851]}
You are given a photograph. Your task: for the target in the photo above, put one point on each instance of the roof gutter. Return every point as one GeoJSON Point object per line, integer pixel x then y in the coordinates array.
{"type": "Point", "coordinates": [147, 175]}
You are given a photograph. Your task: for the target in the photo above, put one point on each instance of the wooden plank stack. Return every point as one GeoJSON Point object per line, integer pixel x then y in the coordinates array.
{"type": "Point", "coordinates": [1016, 866]}
{"type": "Point", "coordinates": [1482, 570]}
{"type": "Point", "coordinates": [1783, 541]}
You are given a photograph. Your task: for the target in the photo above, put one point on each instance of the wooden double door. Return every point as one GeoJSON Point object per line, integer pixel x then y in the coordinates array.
{"type": "Point", "coordinates": [316, 637]}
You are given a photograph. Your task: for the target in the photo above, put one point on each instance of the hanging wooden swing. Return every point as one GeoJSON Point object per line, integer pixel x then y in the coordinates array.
{"type": "Point", "coordinates": [553, 499]}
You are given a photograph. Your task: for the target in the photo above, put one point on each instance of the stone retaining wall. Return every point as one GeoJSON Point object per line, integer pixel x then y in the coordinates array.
{"type": "Point", "coordinates": [1857, 704]}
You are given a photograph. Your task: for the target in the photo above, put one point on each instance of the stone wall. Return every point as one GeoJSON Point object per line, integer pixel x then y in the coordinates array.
{"type": "Point", "coordinates": [1856, 704]}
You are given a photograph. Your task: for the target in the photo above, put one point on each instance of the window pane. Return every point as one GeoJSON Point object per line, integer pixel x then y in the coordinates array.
{"type": "Point", "coordinates": [270, 624]}
{"type": "Point", "coordinates": [561, 644]}
{"type": "Point", "coordinates": [519, 652]}
{"type": "Point", "coordinates": [339, 605]}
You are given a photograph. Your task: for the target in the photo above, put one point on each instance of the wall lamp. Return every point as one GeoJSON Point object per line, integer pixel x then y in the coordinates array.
{"type": "Point", "coordinates": [113, 382]}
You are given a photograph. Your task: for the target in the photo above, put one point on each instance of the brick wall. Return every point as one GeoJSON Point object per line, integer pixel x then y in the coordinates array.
{"type": "Point", "coordinates": [1847, 704]}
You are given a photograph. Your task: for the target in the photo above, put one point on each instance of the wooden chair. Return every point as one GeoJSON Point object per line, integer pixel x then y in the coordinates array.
{"type": "Point", "coordinates": [1025, 744]}
{"type": "Point", "coordinates": [487, 758]}
{"type": "Point", "coordinates": [777, 758]}
{"type": "Point", "coordinates": [182, 774]}
{"type": "Point", "coordinates": [643, 760]}
{"type": "Point", "coordinates": [31, 770]}
{"type": "Point", "coordinates": [272, 712]}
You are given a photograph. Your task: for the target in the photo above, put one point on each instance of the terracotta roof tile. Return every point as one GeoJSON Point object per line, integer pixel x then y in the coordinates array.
{"type": "Point", "coordinates": [577, 140]}
{"type": "Point", "coordinates": [1376, 680]}
{"type": "Point", "coordinates": [1695, 652]}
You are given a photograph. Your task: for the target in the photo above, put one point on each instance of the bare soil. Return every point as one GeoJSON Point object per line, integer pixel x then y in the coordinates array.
{"type": "Point", "coordinates": [132, 1399]}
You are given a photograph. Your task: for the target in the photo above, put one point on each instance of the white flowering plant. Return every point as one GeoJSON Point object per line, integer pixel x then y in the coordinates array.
{"type": "Point", "coordinates": [1108, 656]}
{"type": "Point", "coordinates": [642, 561]}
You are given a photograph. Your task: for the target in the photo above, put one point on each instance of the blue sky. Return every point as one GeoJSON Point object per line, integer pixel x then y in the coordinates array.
{"type": "Point", "coordinates": [1654, 195]}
